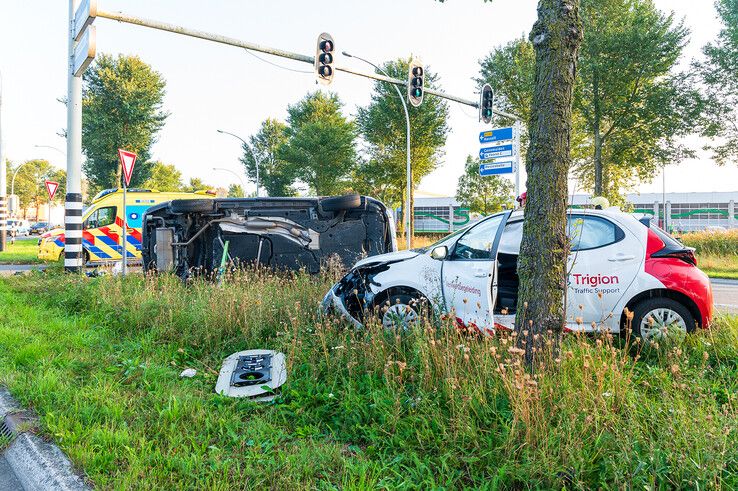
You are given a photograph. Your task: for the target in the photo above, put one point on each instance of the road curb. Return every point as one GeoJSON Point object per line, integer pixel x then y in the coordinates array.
{"type": "Point", "coordinates": [37, 464]}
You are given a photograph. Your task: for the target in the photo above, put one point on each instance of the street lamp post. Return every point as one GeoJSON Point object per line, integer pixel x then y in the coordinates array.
{"type": "Point", "coordinates": [243, 188]}
{"type": "Point", "coordinates": [3, 180]}
{"type": "Point", "coordinates": [258, 163]}
{"type": "Point", "coordinates": [408, 170]}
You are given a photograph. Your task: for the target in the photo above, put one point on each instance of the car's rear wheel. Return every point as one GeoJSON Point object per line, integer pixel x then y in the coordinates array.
{"type": "Point", "coordinates": [657, 319]}
{"type": "Point", "coordinates": [400, 311]}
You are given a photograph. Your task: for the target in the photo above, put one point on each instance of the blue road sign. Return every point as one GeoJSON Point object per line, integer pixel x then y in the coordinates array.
{"type": "Point", "coordinates": [496, 168]}
{"type": "Point", "coordinates": [497, 135]}
{"type": "Point", "coordinates": [487, 153]}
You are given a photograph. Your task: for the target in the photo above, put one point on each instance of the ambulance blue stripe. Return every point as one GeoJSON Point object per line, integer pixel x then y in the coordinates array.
{"type": "Point", "coordinates": [106, 240]}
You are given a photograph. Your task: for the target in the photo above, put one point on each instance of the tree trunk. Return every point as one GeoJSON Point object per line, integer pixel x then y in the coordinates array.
{"type": "Point", "coordinates": [556, 37]}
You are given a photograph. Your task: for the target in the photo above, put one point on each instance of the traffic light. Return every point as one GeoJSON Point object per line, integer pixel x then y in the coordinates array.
{"type": "Point", "coordinates": [324, 58]}
{"type": "Point", "coordinates": [415, 78]}
{"type": "Point", "coordinates": [486, 103]}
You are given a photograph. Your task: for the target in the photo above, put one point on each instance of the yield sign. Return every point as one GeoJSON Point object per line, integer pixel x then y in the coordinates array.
{"type": "Point", "coordinates": [127, 160]}
{"type": "Point", "coordinates": [51, 187]}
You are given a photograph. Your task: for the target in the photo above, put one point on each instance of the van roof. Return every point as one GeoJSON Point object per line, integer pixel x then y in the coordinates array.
{"type": "Point", "coordinates": [107, 192]}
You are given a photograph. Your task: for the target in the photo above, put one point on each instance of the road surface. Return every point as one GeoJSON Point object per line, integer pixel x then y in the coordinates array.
{"type": "Point", "coordinates": [725, 293]}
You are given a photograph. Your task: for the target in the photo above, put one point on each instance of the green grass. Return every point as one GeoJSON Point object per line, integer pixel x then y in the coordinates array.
{"type": "Point", "coordinates": [723, 243]}
{"type": "Point", "coordinates": [24, 251]}
{"type": "Point", "coordinates": [99, 360]}
{"type": "Point", "coordinates": [719, 266]}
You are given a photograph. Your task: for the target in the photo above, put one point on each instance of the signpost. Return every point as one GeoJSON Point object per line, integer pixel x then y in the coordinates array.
{"type": "Point", "coordinates": [502, 155]}
{"type": "Point", "coordinates": [127, 162]}
{"type": "Point", "coordinates": [51, 187]}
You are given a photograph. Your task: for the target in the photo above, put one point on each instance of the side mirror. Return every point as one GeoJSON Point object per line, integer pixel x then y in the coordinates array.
{"type": "Point", "coordinates": [439, 253]}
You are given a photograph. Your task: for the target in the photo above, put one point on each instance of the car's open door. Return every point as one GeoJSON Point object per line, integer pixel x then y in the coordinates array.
{"type": "Point", "coordinates": [469, 273]}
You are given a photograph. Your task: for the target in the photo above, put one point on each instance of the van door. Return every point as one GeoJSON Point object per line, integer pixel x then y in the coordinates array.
{"type": "Point", "coordinates": [101, 235]}
{"type": "Point", "coordinates": [469, 272]}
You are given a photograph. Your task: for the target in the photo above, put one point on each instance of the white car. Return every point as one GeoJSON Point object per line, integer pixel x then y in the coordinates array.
{"type": "Point", "coordinates": [19, 227]}
{"type": "Point", "coordinates": [616, 261]}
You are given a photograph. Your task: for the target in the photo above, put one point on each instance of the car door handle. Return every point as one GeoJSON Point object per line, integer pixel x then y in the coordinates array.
{"type": "Point", "coordinates": [480, 273]}
{"type": "Point", "coordinates": [621, 257]}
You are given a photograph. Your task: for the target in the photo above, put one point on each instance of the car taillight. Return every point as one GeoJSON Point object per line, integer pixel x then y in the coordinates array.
{"type": "Point", "coordinates": [686, 255]}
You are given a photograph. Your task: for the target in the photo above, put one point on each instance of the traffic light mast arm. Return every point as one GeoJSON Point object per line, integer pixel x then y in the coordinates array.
{"type": "Point", "coordinates": [217, 38]}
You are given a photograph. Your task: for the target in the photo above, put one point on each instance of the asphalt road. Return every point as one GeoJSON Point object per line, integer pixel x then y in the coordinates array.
{"type": "Point", "coordinates": [8, 480]}
{"type": "Point", "coordinates": [725, 293]}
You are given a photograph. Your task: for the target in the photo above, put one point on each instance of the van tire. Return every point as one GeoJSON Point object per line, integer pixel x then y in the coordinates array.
{"type": "Point", "coordinates": [340, 203]}
{"type": "Point", "coordinates": [191, 205]}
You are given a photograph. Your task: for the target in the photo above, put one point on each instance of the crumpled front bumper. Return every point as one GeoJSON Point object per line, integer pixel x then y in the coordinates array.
{"type": "Point", "coordinates": [332, 304]}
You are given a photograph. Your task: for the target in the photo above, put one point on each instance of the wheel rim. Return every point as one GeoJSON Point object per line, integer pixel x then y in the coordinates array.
{"type": "Point", "coordinates": [661, 323]}
{"type": "Point", "coordinates": [399, 315]}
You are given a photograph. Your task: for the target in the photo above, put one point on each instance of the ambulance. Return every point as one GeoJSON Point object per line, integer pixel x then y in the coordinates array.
{"type": "Point", "coordinates": [102, 225]}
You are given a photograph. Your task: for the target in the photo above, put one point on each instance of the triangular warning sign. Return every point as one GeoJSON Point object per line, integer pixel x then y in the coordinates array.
{"type": "Point", "coordinates": [127, 161]}
{"type": "Point", "coordinates": [51, 187]}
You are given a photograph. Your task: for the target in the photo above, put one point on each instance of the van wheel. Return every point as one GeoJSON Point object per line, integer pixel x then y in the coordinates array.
{"type": "Point", "coordinates": [657, 319]}
{"type": "Point", "coordinates": [338, 203]}
{"type": "Point", "coordinates": [191, 205]}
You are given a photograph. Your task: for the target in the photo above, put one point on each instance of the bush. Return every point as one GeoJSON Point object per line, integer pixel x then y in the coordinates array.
{"type": "Point", "coordinates": [713, 243]}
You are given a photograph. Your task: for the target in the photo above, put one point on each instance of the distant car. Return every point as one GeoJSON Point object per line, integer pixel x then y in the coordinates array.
{"type": "Point", "coordinates": [39, 228]}
{"type": "Point", "coordinates": [189, 237]}
{"type": "Point", "coordinates": [616, 262]}
{"type": "Point", "coordinates": [18, 227]}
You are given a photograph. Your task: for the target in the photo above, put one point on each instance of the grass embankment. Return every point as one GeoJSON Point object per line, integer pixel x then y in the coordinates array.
{"type": "Point", "coordinates": [717, 252]}
{"type": "Point", "coordinates": [24, 251]}
{"type": "Point", "coordinates": [99, 360]}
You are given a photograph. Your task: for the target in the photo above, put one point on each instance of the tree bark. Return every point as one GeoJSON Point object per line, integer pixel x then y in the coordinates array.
{"type": "Point", "coordinates": [556, 37]}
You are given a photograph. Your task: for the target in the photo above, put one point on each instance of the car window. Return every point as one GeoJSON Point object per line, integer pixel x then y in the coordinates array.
{"type": "Point", "coordinates": [477, 242]}
{"type": "Point", "coordinates": [91, 221]}
{"type": "Point", "coordinates": [591, 232]}
{"type": "Point", "coordinates": [511, 238]}
{"type": "Point", "coordinates": [106, 216]}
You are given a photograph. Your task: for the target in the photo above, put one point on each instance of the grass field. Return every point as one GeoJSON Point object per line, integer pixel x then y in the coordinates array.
{"type": "Point", "coordinates": [99, 360]}
{"type": "Point", "coordinates": [719, 266]}
{"type": "Point", "coordinates": [24, 251]}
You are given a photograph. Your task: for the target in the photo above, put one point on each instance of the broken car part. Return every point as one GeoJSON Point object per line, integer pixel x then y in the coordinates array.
{"type": "Point", "coordinates": [252, 373]}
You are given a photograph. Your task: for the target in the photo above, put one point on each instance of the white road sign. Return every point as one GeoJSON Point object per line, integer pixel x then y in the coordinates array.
{"type": "Point", "coordinates": [84, 53]}
{"type": "Point", "coordinates": [85, 15]}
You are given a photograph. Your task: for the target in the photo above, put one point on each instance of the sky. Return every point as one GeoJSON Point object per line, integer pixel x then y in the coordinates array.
{"type": "Point", "coordinates": [212, 86]}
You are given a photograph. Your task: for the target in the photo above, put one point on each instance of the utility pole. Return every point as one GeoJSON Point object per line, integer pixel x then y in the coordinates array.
{"type": "Point", "coordinates": [243, 188]}
{"type": "Point", "coordinates": [73, 201]}
{"type": "Point", "coordinates": [3, 180]}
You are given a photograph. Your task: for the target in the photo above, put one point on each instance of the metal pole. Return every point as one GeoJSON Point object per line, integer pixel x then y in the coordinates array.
{"type": "Point", "coordinates": [3, 180]}
{"type": "Point", "coordinates": [124, 252]}
{"type": "Point", "coordinates": [243, 188]}
{"type": "Point", "coordinates": [73, 202]}
{"type": "Point", "coordinates": [663, 196]}
{"type": "Point", "coordinates": [162, 26]}
{"type": "Point", "coordinates": [258, 162]}
{"type": "Point", "coordinates": [518, 127]}
{"type": "Point", "coordinates": [408, 169]}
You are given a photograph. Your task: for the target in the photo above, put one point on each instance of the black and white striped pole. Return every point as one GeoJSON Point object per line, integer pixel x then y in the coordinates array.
{"type": "Point", "coordinates": [3, 181]}
{"type": "Point", "coordinates": [81, 53]}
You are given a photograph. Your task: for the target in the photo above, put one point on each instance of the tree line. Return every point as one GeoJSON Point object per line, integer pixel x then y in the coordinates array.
{"type": "Point", "coordinates": [632, 104]}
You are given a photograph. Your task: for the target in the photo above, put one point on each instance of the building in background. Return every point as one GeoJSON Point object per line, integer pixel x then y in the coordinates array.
{"type": "Point", "coordinates": [685, 212]}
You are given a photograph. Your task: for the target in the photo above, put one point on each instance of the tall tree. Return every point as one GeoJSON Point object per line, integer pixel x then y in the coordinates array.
{"type": "Point", "coordinates": [719, 71]}
{"type": "Point", "coordinates": [633, 107]}
{"type": "Point", "coordinates": [483, 194]}
{"type": "Point", "coordinates": [629, 111]}
{"type": "Point", "coordinates": [122, 104]}
{"type": "Point", "coordinates": [29, 183]}
{"type": "Point", "coordinates": [320, 149]}
{"type": "Point", "coordinates": [236, 191]}
{"type": "Point", "coordinates": [275, 175]}
{"type": "Point", "coordinates": [164, 177]}
{"type": "Point", "coordinates": [556, 37]}
{"type": "Point", "coordinates": [196, 184]}
{"type": "Point", "coordinates": [383, 128]}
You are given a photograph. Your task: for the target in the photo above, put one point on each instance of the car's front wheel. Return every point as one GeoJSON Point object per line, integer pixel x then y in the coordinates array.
{"type": "Point", "coordinates": [399, 311]}
{"type": "Point", "coordinates": [657, 319]}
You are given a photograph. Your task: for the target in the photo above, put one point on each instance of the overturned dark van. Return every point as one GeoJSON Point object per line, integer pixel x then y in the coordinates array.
{"type": "Point", "coordinates": [189, 236]}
